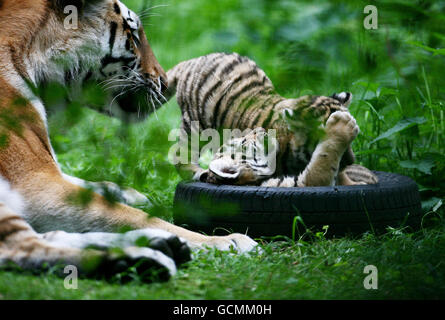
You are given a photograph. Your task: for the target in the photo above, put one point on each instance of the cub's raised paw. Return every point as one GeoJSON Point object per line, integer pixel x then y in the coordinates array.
{"type": "Point", "coordinates": [342, 126]}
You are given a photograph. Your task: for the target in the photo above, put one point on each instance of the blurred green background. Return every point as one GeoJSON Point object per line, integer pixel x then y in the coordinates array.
{"type": "Point", "coordinates": [396, 74]}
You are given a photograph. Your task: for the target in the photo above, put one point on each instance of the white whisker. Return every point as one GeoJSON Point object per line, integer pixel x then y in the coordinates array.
{"type": "Point", "coordinates": [157, 100]}
{"type": "Point", "coordinates": [112, 101]}
{"type": "Point", "coordinates": [151, 8]}
{"type": "Point", "coordinates": [154, 108]}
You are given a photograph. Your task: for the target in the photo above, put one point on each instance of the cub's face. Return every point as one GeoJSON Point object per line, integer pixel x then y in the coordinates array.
{"type": "Point", "coordinates": [244, 160]}
{"type": "Point", "coordinates": [108, 46]}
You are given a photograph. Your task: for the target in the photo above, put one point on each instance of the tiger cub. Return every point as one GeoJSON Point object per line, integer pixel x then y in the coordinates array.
{"type": "Point", "coordinates": [230, 91]}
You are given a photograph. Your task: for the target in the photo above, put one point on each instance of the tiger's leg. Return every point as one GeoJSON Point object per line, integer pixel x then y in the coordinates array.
{"type": "Point", "coordinates": [344, 180]}
{"type": "Point", "coordinates": [341, 130]}
{"type": "Point", "coordinates": [52, 203]}
{"type": "Point", "coordinates": [21, 246]}
{"type": "Point", "coordinates": [351, 175]}
{"type": "Point", "coordinates": [356, 175]}
{"type": "Point", "coordinates": [281, 182]}
{"type": "Point", "coordinates": [173, 247]}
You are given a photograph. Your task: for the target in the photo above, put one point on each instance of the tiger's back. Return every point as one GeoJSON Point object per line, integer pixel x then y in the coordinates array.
{"type": "Point", "coordinates": [223, 90]}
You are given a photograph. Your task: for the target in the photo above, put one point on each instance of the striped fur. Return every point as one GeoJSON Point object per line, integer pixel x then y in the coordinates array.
{"type": "Point", "coordinates": [40, 224]}
{"type": "Point", "coordinates": [230, 91]}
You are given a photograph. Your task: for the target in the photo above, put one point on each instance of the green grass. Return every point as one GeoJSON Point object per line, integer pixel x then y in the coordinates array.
{"type": "Point", "coordinates": [409, 267]}
{"type": "Point", "coordinates": [396, 76]}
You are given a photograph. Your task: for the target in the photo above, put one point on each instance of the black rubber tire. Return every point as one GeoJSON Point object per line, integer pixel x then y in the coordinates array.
{"type": "Point", "coordinates": [260, 211]}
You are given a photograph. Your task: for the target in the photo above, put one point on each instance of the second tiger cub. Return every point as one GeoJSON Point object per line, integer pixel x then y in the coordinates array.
{"type": "Point", "coordinates": [230, 91]}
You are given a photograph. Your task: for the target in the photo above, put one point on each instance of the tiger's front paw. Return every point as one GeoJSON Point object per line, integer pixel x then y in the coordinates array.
{"type": "Point", "coordinates": [342, 127]}
{"type": "Point", "coordinates": [235, 241]}
{"type": "Point", "coordinates": [169, 244]}
{"type": "Point", "coordinates": [148, 264]}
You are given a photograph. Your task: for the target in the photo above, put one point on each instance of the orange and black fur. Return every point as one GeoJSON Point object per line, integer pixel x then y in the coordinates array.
{"type": "Point", "coordinates": [38, 224]}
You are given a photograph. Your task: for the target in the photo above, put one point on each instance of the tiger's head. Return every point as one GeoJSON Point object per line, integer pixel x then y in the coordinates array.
{"type": "Point", "coordinates": [98, 40]}
{"type": "Point", "coordinates": [248, 159]}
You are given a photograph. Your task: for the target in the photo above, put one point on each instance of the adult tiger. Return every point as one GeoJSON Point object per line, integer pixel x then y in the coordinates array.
{"type": "Point", "coordinates": [109, 43]}
{"type": "Point", "coordinates": [230, 91]}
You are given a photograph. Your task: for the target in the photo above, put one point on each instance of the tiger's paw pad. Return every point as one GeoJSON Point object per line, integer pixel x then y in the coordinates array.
{"type": "Point", "coordinates": [160, 240]}
{"type": "Point", "coordinates": [342, 125]}
{"type": "Point", "coordinates": [145, 263]}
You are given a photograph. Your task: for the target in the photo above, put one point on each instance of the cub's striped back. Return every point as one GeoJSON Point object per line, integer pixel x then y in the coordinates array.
{"type": "Point", "coordinates": [222, 90]}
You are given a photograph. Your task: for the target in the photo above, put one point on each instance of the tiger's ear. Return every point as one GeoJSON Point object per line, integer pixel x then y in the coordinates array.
{"type": "Point", "coordinates": [344, 98]}
{"type": "Point", "coordinates": [289, 117]}
{"type": "Point", "coordinates": [225, 169]}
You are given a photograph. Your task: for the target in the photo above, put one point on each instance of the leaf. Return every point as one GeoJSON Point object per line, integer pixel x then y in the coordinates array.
{"type": "Point", "coordinates": [142, 242]}
{"type": "Point", "coordinates": [438, 205]}
{"type": "Point", "coordinates": [379, 151]}
{"type": "Point", "coordinates": [371, 86]}
{"type": "Point", "coordinates": [400, 126]}
{"type": "Point", "coordinates": [423, 166]}
{"type": "Point", "coordinates": [440, 51]}
{"type": "Point", "coordinates": [388, 92]}
{"type": "Point", "coordinates": [431, 204]}
{"type": "Point", "coordinates": [427, 188]}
